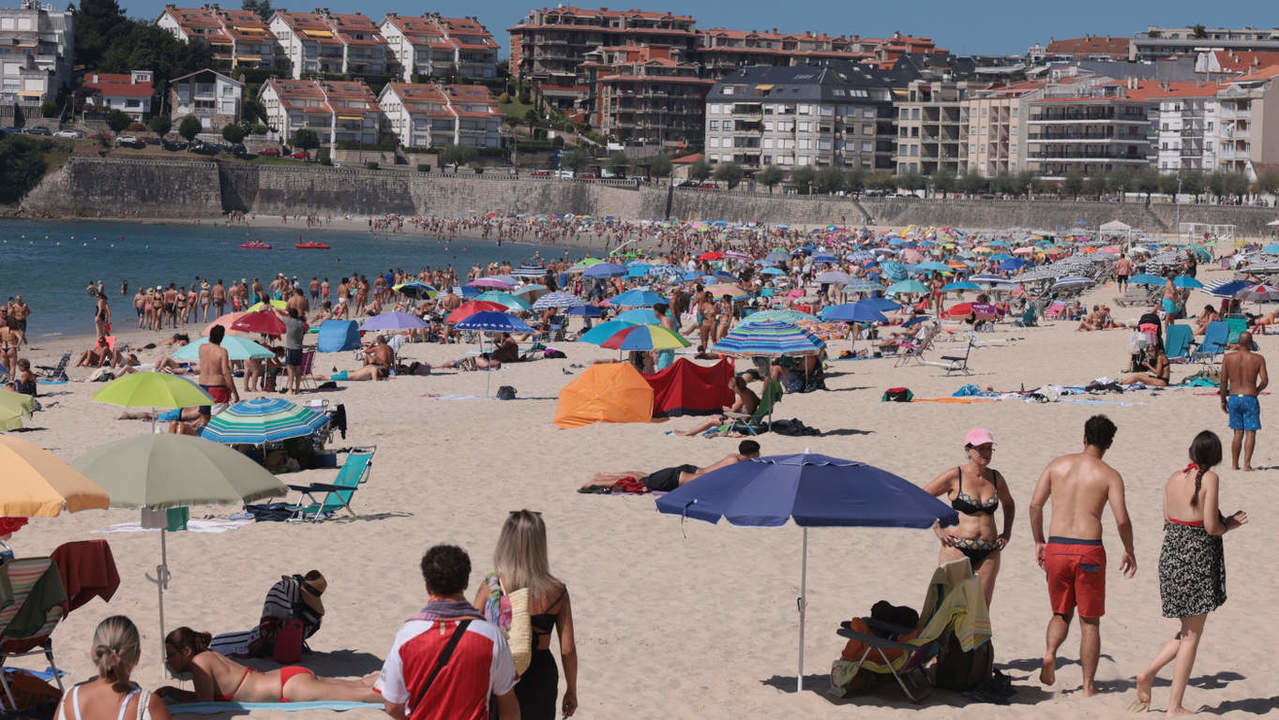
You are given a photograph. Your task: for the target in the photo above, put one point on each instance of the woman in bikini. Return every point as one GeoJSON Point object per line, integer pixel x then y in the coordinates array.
{"type": "Point", "coordinates": [112, 695]}
{"type": "Point", "coordinates": [521, 562]}
{"type": "Point", "coordinates": [708, 319]}
{"type": "Point", "coordinates": [725, 317]}
{"type": "Point", "coordinates": [101, 315]}
{"type": "Point", "coordinates": [219, 678]}
{"type": "Point", "coordinates": [976, 490]}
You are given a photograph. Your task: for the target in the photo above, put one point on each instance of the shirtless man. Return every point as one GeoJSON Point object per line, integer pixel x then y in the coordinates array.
{"type": "Point", "coordinates": [670, 478]}
{"type": "Point", "coordinates": [215, 371]}
{"type": "Point", "coordinates": [19, 312]}
{"type": "Point", "coordinates": [1081, 485]}
{"type": "Point", "coordinates": [218, 296]}
{"type": "Point", "coordinates": [1243, 377]}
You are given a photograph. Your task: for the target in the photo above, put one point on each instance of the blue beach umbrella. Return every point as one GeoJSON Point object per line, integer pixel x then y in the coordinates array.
{"type": "Point", "coordinates": [960, 285]}
{"type": "Point", "coordinates": [600, 270]}
{"type": "Point", "coordinates": [1013, 264]}
{"type": "Point", "coordinates": [769, 339]}
{"type": "Point", "coordinates": [853, 312]}
{"type": "Point", "coordinates": [1185, 281]}
{"type": "Point", "coordinates": [511, 301]}
{"type": "Point", "coordinates": [584, 310]}
{"type": "Point", "coordinates": [237, 348]}
{"type": "Point", "coordinates": [1146, 279]}
{"type": "Point", "coordinates": [490, 322]}
{"type": "Point", "coordinates": [814, 490]}
{"type": "Point", "coordinates": [861, 285]}
{"type": "Point", "coordinates": [262, 420]}
{"type": "Point", "coordinates": [906, 287]}
{"type": "Point", "coordinates": [639, 297]}
{"type": "Point", "coordinates": [558, 300]}
{"type": "Point", "coordinates": [772, 271]}
{"type": "Point", "coordinates": [1230, 288]}
{"type": "Point", "coordinates": [880, 304]}
{"type": "Point", "coordinates": [640, 316]}
{"type": "Point", "coordinates": [598, 334]}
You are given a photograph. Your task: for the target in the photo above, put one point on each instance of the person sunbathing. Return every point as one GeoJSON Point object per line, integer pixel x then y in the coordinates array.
{"type": "Point", "coordinates": [668, 479]}
{"type": "Point", "coordinates": [97, 356]}
{"type": "Point", "coordinates": [219, 678]}
{"type": "Point", "coordinates": [1159, 371]}
{"type": "Point", "coordinates": [1209, 315]}
{"type": "Point", "coordinates": [744, 403]}
{"type": "Point", "coordinates": [378, 361]}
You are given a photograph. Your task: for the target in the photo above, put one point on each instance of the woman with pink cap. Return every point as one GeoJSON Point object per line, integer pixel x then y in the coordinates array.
{"type": "Point", "coordinates": [976, 490]}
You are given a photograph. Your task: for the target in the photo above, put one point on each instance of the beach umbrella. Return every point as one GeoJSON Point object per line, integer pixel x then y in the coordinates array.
{"type": "Point", "coordinates": [1145, 279]}
{"type": "Point", "coordinates": [1013, 264]}
{"type": "Point", "coordinates": [262, 420]}
{"type": "Point", "coordinates": [960, 285]}
{"type": "Point", "coordinates": [558, 300]}
{"type": "Point", "coordinates": [38, 484]}
{"type": "Point", "coordinates": [469, 308]}
{"type": "Point", "coordinates": [604, 269]}
{"type": "Point", "coordinates": [772, 271]}
{"type": "Point", "coordinates": [533, 290]}
{"type": "Point", "coordinates": [1228, 288]}
{"type": "Point", "coordinates": [862, 285]}
{"type": "Point", "coordinates": [880, 304]}
{"type": "Point", "coordinates": [581, 265]}
{"type": "Point", "coordinates": [639, 316]}
{"type": "Point", "coordinates": [932, 266]}
{"type": "Point", "coordinates": [529, 271]}
{"type": "Point", "coordinates": [416, 289]}
{"type": "Point", "coordinates": [585, 310]}
{"type": "Point", "coordinates": [769, 339]}
{"type": "Point", "coordinates": [598, 334]}
{"type": "Point", "coordinates": [268, 304]}
{"type": "Point", "coordinates": [824, 257]}
{"type": "Point", "coordinates": [1072, 282]}
{"type": "Point", "coordinates": [1185, 281]}
{"type": "Point", "coordinates": [491, 322]}
{"type": "Point", "coordinates": [163, 471]}
{"type": "Point", "coordinates": [906, 287]}
{"type": "Point", "coordinates": [153, 390]}
{"type": "Point", "coordinates": [260, 322]}
{"type": "Point", "coordinates": [393, 321]}
{"type": "Point", "coordinates": [713, 255]}
{"type": "Point", "coordinates": [225, 321]}
{"type": "Point", "coordinates": [853, 312]}
{"type": "Point", "coordinates": [637, 269]}
{"type": "Point", "coordinates": [639, 297]}
{"type": "Point", "coordinates": [833, 277]}
{"type": "Point", "coordinates": [491, 282]}
{"type": "Point", "coordinates": [787, 315]}
{"type": "Point", "coordinates": [815, 491]}
{"type": "Point", "coordinates": [237, 348]}
{"type": "Point", "coordinates": [893, 270]}
{"type": "Point", "coordinates": [1258, 293]}
{"type": "Point", "coordinates": [511, 302]}
{"type": "Point", "coordinates": [645, 337]}
{"type": "Point", "coordinates": [723, 289]}
{"type": "Point", "coordinates": [665, 271]}
{"type": "Point", "coordinates": [13, 407]}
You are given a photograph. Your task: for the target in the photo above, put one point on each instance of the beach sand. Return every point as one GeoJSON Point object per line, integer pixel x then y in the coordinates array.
{"type": "Point", "coordinates": [692, 620]}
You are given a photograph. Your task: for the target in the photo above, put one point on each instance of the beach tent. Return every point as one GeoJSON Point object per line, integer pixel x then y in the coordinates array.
{"type": "Point", "coordinates": [338, 335]}
{"type": "Point", "coordinates": [608, 392]}
{"type": "Point", "coordinates": [686, 388]}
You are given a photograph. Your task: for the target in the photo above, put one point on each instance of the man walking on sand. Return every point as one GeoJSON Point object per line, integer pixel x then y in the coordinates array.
{"type": "Point", "coordinates": [1081, 485]}
{"type": "Point", "coordinates": [215, 372]}
{"type": "Point", "coordinates": [1243, 377]}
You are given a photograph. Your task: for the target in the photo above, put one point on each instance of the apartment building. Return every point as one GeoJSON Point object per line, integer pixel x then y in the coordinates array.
{"type": "Point", "coordinates": [130, 93]}
{"type": "Point", "coordinates": [434, 115]}
{"type": "Point", "coordinates": [548, 45]}
{"type": "Point", "coordinates": [1184, 119]}
{"type": "Point", "coordinates": [37, 50]}
{"type": "Point", "coordinates": [1158, 45]}
{"type": "Point", "coordinates": [207, 94]}
{"type": "Point", "coordinates": [329, 43]}
{"type": "Point", "coordinates": [996, 127]}
{"type": "Point", "coordinates": [645, 94]}
{"type": "Point", "coordinates": [364, 50]}
{"type": "Point", "coordinates": [1211, 33]}
{"type": "Point", "coordinates": [238, 38]}
{"type": "Point", "coordinates": [1092, 127]}
{"type": "Point", "coordinates": [1089, 47]}
{"type": "Point", "coordinates": [722, 51]}
{"type": "Point", "coordinates": [435, 46]}
{"type": "Point", "coordinates": [932, 120]}
{"type": "Point", "coordinates": [839, 114]}
{"type": "Point", "coordinates": [338, 111]}
{"type": "Point", "coordinates": [1247, 134]}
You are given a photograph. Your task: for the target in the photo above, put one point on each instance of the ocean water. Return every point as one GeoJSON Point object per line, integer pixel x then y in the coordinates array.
{"type": "Point", "coordinates": [51, 263]}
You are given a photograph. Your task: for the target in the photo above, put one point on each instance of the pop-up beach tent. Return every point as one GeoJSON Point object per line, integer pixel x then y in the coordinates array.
{"type": "Point", "coordinates": [608, 392]}
{"type": "Point", "coordinates": [338, 335]}
{"type": "Point", "coordinates": [686, 388]}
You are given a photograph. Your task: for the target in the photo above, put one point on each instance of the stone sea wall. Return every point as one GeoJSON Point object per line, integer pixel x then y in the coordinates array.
{"type": "Point", "coordinates": [102, 187]}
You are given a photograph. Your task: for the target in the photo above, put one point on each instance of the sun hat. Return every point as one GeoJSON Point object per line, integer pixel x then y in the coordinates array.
{"type": "Point", "coordinates": [977, 437]}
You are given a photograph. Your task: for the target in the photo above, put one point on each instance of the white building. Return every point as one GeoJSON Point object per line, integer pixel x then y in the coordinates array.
{"type": "Point", "coordinates": [131, 94]}
{"type": "Point", "coordinates": [329, 43]}
{"type": "Point", "coordinates": [432, 115]}
{"type": "Point", "coordinates": [437, 46]}
{"type": "Point", "coordinates": [1188, 122]}
{"type": "Point", "coordinates": [207, 94]}
{"type": "Point", "coordinates": [338, 111]}
{"type": "Point", "coordinates": [36, 52]}
{"type": "Point", "coordinates": [238, 38]}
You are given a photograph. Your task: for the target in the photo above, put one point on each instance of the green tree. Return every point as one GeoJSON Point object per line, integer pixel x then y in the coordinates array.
{"type": "Point", "coordinates": [189, 127]}
{"type": "Point", "coordinates": [305, 140]}
{"type": "Point", "coordinates": [617, 163]}
{"type": "Point", "coordinates": [1198, 31]}
{"type": "Point", "coordinates": [1268, 182]}
{"type": "Point", "coordinates": [855, 179]}
{"type": "Point", "coordinates": [1024, 182]}
{"type": "Point", "coordinates": [729, 173]}
{"type": "Point", "coordinates": [1096, 185]}
{"type": "Point", "coordinates": [803, 178]}
{"type": "Point", "coordinates": [699, 170]}
{"type": "Point", "coordinates": [233, 134]}
{"type": "Point", "coordinates": [458, 155]}
{"type": "Point", "coordinates": [1146, 181]}
{"type": "Point", "coordinates": [1193, 182]}
{"type": "Point", "coordinates": [261, 7]}
{"type": "Point", "coordinates": [1002, 184]}
{"type": "Point", "coordinates": [118, 120]}
{"type": "Point", "coordinates": [22, 165]}
{"type": "Point", "coordinates": [944, 182]}
{"type": "Point", "coordinates": [1122, 181]}
{"type": "Point", "coordinates": [1237, 185]}
{"type": "Point", "coordinates": [971, 184]}
{"type": "Point", "coordinates": [48, 109]}
{"type": "Point", "coordinates": [1216, 184]}
{"type": "Point", "coordinates": [660, 166]}
{"type": "Point", "coordinates": [1168, 185]}
{"type": "Point", "coordinates": [912, 181]}
{"type": "Point", "coordinates": [97, 24]}
{"type": "Point", "coordinates": [829, 180]}
{"type": "Point", "coordinates": [252, 111]}
{"type": "Point", "coordinates": [576, 159]}
{"type": "Point", "coordinates": [143, 46]}
{"type": "Point", "coordinates": [160, 125]}
{"type": "Point", "coordinates": [884, 181]}
{"type": "Point", "coordinates": [1073, 184]}
{"type": "Point", "coordinates": [769, 177]}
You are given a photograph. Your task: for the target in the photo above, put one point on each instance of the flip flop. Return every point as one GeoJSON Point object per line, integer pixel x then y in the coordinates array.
{"type": "Point", "coordinates": [596, 490]}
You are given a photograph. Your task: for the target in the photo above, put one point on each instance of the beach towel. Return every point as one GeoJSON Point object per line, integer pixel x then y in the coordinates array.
{"type": "Point", "coordinates": [214, 708]}
{"type": "Point", "coordinates": [88, 570]}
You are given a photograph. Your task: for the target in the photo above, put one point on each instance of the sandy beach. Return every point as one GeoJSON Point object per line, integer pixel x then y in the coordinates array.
{"type": "Point", "coordinates": [690, 620]}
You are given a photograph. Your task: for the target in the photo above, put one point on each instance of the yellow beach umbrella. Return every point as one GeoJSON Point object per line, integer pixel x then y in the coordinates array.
{"type": "Point", "coordinates": [38, 484]}
{"type": "Point", "coordinates": [276, 304]}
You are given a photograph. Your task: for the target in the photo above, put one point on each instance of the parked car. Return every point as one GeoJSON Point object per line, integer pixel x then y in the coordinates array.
{"type": "Point", "coordinates": [129, 141]}
{"type": "Point", "coordinates": [588, 176]}
{"type": "Point", "coordinates": [565, 174]}
{"type": "Point", "coordinates": [68, 134]}
{"type": "Point", "coordinates": [39, 131]}
{"type": "Point", "coordinates": [708, 186]}
{"type": "Point", "coordinates": [540, 173]}
{"type": "Point", "coordinates": [239, 150]}
{"type": "Point", "coordinates": [271, 152]}
{"type": "Point", "coordinates": [300, 155]}
{"type": "Point", "coordinates": [173, 145]}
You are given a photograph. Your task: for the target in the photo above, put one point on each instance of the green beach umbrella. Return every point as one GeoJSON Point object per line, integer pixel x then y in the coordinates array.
{"type": "Point", "coordinates": [13, 407]}
{"type": "Point", "coordinates": [511, 302]}
{"type": "Point", "coordinates": [153, 390]}
{"type": "Point", "coordinates": [277, 304]}
{"type": "Point", "coordinates": [237, 348]}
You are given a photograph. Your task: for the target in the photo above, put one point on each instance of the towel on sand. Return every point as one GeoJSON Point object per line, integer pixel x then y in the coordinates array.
{"type": "Point", "coordinates": [213, 708]}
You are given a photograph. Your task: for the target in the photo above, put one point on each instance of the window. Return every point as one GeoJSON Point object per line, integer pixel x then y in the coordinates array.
{"type": "Point", "coordinates": [768, 159]}
{"type": "Point", "coordinates": [868, 129]}
{"type": "Point", "coordinates": [728, 90]}
{"type": "Point", "coordinates": [823, 144]}
{"type": "Point", "coordinates": [867, 146]}
{"type": "Point", "coordinates": [914, 113]}
{"type": "Point", "coordinates": [714, 124]}
{"type": "Point", "coordinates": [768, 125]}
{"type": "Point", "coordinates": [801, 160]}
{"type": "Point", "coordinates": [803, 144]}
{"type": "Point", "coordinates": [768, 143]}
{"type": "Point", "coordinates": [868, 112]}
{"type": "Point", "coordinates": [805, 127]}
{"type": "Point", "coordinates": [804, 109]}
{"type": "Point", "coordinates": [713, 142]}
{"type": "Point", "coordinates": [827, 110]}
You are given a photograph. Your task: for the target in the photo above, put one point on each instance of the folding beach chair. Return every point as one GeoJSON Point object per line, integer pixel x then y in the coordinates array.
{"type": "Point", "coordinates": [955, 363]}
{"type": "Point", "coordinates": [25, 628]}
{"type": "Point", "coordinates": [1213, 344]}
{"type": "Point", "coordinates": [307, 367]}
{"type": "Point", "coordinates": [337, 495]}
{"type": "Point", "coordinates": [555, 329]}
{"type": "Point", "coordinates": [953, 605]}
{"type": "Point", "coordinates": [1177, 342]}
{"type": "Point", "coordinates": [761, 419]}
{"type": "Point", "coordinates": [1237, 326]}
{"type": "Point", "coordinates": [57, 372]}
{"type": "Point", "coordinates": [912, 351]}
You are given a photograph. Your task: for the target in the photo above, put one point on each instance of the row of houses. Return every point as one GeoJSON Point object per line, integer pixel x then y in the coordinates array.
{"type": "Point", "coordinates": [301, 44]}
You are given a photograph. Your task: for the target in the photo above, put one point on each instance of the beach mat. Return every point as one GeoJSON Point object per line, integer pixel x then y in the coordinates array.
{"type": "Point", "coordinates": [212, 708]}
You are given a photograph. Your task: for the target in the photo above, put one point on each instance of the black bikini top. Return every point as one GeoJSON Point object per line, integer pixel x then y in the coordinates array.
{"type": "Point", "coordinates": [968, 505]}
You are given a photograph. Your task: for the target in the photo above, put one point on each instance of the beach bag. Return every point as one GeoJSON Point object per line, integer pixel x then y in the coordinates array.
{"type": "Point", "coordinates": [959, 670]}
{"type": "Point", "coordinates": [288, 642]}
{"type": "Point", "coordinates": [520, 635]}
{"type": "Point", "coordinates": [897, 394]}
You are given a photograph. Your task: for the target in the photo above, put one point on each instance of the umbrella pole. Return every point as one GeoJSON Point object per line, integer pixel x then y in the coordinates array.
{"type": "Point", "coordinates": [802, 604]}
{"type": "Point", "coordinates": [161, 580]}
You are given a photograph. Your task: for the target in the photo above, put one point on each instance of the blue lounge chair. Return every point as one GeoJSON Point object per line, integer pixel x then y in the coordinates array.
{"type": "Point", "coordinates": [1178, 341]}
{"type": "Point", "coordinates": [337, 495]}
{"type": "Point", "coordinates": [1214, 342]}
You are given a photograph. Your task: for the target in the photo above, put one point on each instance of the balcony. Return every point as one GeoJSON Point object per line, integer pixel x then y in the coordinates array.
{"type": "Point", "coordinates": [1075, 155]}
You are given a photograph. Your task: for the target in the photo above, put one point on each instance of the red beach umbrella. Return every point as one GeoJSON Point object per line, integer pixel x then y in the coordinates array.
{"type": "Point", "coordinates": [262, 322]}
{"type": "Point", "coordinates": [467, 309]}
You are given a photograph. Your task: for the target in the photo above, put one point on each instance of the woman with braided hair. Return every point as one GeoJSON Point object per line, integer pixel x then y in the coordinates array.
{"type": "Point", "coordinates": [111, 695]}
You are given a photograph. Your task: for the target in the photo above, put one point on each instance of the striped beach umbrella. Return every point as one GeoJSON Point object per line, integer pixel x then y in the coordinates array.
{"type": "Point", "coordinates": [261, 420]}
{"type": "Point", "coordinates": [906, 287]}
{"type": "Point", "coordinates": [786, 315]}
{"type": "Point", "coordinates": [604, 269]}
{"type": "Point", "coordinates": [645, 337]}
{"type": "Point", "coordinates": [529, 271]}
{"type": "Point", "coordinates": [558, 300]}
{"type": "Point", "coordinates": [862, 286]}
{"type": "Point", "coordinates": [598, 334]}
{"type": "Point", "coordinates": [769, 339]}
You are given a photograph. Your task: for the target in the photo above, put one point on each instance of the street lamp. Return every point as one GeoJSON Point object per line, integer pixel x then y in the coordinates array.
{"type": "Point", "coordinates": [1177, 201]}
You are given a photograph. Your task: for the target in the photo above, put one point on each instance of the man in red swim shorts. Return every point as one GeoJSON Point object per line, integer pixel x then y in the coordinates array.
{"type": "Point", "coordinates": [1081, 485]}
{"type": "Point", "coordinates": [215, 371]}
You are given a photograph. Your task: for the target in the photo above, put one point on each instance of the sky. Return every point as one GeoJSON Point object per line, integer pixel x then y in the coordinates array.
{"type": "Point", "coordinates": [973, 27]}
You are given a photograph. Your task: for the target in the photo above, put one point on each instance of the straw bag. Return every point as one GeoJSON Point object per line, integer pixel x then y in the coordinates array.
{"type": "Point", "coordinates": [520, 635]}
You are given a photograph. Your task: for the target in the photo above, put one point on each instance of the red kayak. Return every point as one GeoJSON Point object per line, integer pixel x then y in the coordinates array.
{"type": "Point", "coordinates": [311, 246]}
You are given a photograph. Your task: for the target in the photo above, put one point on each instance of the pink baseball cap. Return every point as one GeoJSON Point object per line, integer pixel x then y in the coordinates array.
{"type": "Point", "coordinates": [978, 436]}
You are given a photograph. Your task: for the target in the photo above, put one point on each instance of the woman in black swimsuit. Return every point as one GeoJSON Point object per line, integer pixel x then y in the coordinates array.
{"type": "Point", "coordinates": [521, 562]}
{"type": "Point", "coordinates": [976, 490]}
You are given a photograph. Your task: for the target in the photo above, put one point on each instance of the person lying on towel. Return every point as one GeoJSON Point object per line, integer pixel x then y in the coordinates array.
{"type": "Point", "coordinates": [668, 479]}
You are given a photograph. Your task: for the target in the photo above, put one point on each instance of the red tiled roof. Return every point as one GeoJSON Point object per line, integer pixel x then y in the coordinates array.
{"type": "Point", "coordinates": [117, 85]}
{"type": "Point", "coordinates": [1092, 45]}
{"type": "Point", "coordinates": [1242, 62]}
{"type": "Point", "coordinates": [1264, 73]}
{"type": "Point", "coordinates": [1150, 90]}
{"type": "Point", "coordinates": [689, 159]}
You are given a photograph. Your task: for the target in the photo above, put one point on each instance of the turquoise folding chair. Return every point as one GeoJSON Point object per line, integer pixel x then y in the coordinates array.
{"type": "Point", "coordinates": [1214, 342]}
{"type": "Point", "coordinates": [337, 495]}
{"type": "Point", "coordinates": [1177, 341]}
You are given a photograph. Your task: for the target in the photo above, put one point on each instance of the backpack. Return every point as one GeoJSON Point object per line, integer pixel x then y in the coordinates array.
{"type": "Point", "coordinates": [959, 670]}
{"type": "Point", "coordinates": [506, 392]}
{"type": "Point", "coordinates": [897, 394]}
